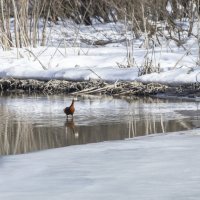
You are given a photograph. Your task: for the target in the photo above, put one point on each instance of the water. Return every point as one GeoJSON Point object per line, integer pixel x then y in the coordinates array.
{"type": "Point", "coordinates": [32, 123]}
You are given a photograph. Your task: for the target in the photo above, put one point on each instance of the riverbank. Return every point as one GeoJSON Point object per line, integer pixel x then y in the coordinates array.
{"type": "Point", "coordinates": [124, 88]}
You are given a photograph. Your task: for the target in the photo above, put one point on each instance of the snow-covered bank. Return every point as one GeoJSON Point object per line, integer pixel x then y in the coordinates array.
{"type": "Point", "coordinates": [101, 63]}
{"type": "Point", "coordinates": [173, 77]}
{"type": "Point", "coordinates": [78, 61]}
{"type": "Point", "coordinates": [161, 167]}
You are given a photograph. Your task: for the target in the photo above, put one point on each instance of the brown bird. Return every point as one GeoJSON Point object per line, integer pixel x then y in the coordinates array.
{"type": "Point", "coordinates": [69, 110]}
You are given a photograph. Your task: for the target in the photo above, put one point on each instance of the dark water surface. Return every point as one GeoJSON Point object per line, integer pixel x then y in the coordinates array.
{"type": "Point", "coordinates": [32, 123]}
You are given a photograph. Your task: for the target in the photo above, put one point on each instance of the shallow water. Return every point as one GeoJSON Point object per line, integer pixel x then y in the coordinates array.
{"type": "Point", "coordinates": [32, 123]}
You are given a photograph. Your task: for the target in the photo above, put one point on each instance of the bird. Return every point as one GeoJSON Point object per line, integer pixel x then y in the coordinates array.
{"type": "Point", "coordinates": [70, 110]}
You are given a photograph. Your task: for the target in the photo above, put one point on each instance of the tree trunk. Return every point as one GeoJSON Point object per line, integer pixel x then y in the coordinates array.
{"type": "Point", "coordinates": [16, 25]}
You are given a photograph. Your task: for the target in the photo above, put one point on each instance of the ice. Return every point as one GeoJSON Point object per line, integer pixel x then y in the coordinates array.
{"type": "Point", "coordinates": [159, 167]}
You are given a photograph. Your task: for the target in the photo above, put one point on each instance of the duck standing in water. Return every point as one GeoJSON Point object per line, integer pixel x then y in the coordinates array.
{"type": "Point", "coordinates": [70, 110]}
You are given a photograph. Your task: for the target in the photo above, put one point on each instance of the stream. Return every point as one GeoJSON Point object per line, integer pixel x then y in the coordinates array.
{"type": "Point", "coordinates": [37, 122]}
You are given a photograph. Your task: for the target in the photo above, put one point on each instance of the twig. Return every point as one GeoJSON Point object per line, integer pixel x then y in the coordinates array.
{"type": "Point", "coordinates": [186, 53]}
{"type": "Point", "coordinates": [45, 68]}
{"type": "Point", "coordinates": [95, 73]}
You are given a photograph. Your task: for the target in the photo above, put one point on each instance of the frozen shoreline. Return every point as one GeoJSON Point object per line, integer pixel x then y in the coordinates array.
{"type": "Point", "coordinates": [158, 167]}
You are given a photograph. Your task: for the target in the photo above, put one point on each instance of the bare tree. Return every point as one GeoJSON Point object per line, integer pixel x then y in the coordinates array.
{"type": "Point", "coordinates": [142, 14]}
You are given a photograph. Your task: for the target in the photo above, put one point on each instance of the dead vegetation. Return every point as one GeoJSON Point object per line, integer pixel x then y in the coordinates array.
{"type": "Point", "coordinates": [142, 16]}
{"type": "Point", "coordinates": [97, 87]}
{"type": "Point", "coordinates": [85, 87]}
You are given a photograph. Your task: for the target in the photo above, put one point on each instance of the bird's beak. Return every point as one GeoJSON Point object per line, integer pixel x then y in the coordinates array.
{"type": "Point", "coordinates": [75, 99]}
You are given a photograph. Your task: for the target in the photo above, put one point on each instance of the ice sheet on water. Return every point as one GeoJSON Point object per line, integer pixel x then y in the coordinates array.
{"type": "Point", "coordinates": [159, 167]}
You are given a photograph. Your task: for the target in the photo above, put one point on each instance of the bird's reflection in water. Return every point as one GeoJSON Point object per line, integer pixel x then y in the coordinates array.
{"type": "Point", "coordinates": [70, 128]}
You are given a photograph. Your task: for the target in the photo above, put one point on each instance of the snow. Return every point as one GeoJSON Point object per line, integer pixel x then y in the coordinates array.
{"type": "Point", "coordinates": [74, 67]}
{"type": "Point", "coordinates": [182, 75]}
{"type": "Point", "coordinates": [69, 56]}
{"type": "Point", "coordinates": [159, 167]}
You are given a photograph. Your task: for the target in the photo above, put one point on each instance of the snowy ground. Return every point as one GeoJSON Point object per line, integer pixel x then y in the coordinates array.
{"type": "Point", "coordinates": [69, 55]}
{"type": "Point", "coordinates": [159, 167]}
